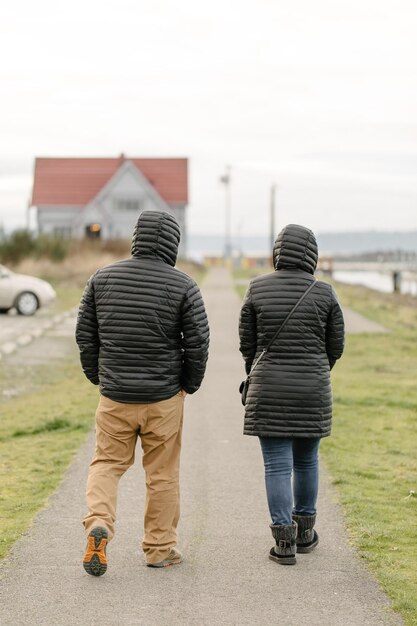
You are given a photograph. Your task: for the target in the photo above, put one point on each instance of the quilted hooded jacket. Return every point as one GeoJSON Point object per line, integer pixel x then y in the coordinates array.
{"type": "Point", "coordinates": [290, 391]}
{"type": "Point", "coordinates": [142, 328]}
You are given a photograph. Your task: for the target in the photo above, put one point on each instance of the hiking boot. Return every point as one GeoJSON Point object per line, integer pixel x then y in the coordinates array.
{"type": "Point", "coordinates": [284, 550]}
{"type": "Point", "coordinates": [173, 558]}
{"type": "Point", "coordinates": [95, 560]}
{"type": "Point", "coordinates": [307, 537]}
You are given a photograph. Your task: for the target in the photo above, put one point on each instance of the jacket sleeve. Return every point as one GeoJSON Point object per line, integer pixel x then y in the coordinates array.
{"type": "Point", "coordinates": [86, 333]}
{"type": "Point", "coordinates": [335, 331]}
{"type": "Point", "coordinates": [247, 331]}
{"type": "Point", "coordinates": [195, 339]}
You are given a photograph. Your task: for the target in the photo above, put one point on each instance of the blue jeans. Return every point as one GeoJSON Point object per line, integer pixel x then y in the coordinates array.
{"type": "Point", "coordinates": [284, 456]}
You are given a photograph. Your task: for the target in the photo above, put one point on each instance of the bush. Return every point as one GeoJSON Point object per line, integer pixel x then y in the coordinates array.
{"type": "Point", "coordinates": [17, 246]}
{"type": "Point", "coordinates": [22, 244]}
{"type": "Point", "coordinates": [51, 247]}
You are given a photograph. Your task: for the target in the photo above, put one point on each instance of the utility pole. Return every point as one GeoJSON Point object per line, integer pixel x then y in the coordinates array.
{"type": "Point", "coordinates": [272, 218]}
{"type": "Point", "coordinates": [225, 180]}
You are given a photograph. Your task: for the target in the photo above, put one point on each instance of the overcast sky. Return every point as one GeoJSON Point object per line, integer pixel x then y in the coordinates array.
{"type": "Point", "coordinates": [318, 97]}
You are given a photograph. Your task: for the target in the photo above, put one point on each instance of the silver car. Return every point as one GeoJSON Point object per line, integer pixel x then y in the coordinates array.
{"type": "Point", "coordinates": [25, 293]}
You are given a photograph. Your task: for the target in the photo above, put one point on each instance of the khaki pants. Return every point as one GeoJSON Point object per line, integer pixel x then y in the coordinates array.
{"type": "Point", "coordinates": [159, 426]}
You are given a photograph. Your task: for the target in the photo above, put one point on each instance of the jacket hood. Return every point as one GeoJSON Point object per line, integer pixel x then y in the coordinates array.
{"type": "Point", "coordinates": [157, 234]}
{"type": "Point", "coordinates": [295, 248]}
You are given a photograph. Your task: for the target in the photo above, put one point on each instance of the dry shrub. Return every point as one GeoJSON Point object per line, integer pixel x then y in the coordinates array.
{"type": "Point", "coordinates": [83, 259]}
{"type": "Point", "coordinates": [119, 248]}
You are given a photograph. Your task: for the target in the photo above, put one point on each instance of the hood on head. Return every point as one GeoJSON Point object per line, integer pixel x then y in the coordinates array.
{"type": "Point", "coordinates": [157, 234]}
{"type": "Point", "coordinates": [295, 248]}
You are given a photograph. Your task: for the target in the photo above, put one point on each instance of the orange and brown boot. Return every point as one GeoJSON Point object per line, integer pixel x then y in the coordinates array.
{"type": "Point", "coordinates": [95, 560]}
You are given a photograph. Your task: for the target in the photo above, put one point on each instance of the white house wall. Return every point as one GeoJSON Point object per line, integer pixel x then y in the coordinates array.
{"type": "Point", "coordinates": [54, 220]}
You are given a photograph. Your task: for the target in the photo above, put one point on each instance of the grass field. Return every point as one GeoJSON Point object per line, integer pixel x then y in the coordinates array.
{"type": "Point", "coordinates": [43, 427]}
{"type": "Point", "coordinates": [372, 453]}
{"type": "Point", "coordinates": [39, 435]}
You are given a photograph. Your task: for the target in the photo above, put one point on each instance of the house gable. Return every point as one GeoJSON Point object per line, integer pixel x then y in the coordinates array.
{"type": "Point", "coordinates": [119, 203]}
{"type": "Point", "coordinates": [129, 182]}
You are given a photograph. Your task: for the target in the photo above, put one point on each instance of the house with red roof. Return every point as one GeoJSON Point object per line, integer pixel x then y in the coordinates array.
{"type": "Point", "coordinates": [103, 197]}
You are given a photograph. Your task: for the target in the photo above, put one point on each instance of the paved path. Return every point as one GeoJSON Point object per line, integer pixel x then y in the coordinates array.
{"type": "Point", "coordinates": [357, 323]}
{"type": "Point", "coordinates": [226, 578]}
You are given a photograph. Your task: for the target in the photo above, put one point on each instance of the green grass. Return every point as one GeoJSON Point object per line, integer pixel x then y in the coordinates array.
{"type": "Point", "coordinates": [39, 434]}
{"type": "Point", "coordinates": [67, 297]}
{"type": "Point", "coordinates": [372, 453]}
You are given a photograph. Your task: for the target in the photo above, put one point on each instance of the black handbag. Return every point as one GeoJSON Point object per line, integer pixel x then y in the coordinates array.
{"type": "Point", "coordinates": [244, 385]}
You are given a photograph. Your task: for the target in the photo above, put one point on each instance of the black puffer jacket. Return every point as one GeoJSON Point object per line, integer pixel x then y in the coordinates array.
{"type": "Point", "coordinates": [290, 393]}
{"type": "Point", "coordinates": [142, 328]}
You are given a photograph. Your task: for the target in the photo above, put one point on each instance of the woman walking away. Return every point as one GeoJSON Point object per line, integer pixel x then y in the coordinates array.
{"type": "Point", "coordinates": [295, 325]}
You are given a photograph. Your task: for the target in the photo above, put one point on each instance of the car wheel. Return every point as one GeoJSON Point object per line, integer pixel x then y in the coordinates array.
{"type": "Point", "coordinates": [26, 303]}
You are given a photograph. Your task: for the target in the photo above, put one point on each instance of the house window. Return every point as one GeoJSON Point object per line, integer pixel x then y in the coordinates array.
{"type": "Point", "coordinates": [127, 204]}
{"type": "Point", "coordinates": [93, 231]}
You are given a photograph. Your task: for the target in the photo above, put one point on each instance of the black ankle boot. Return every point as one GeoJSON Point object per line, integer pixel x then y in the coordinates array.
{"type": "Point", "coordinates": [285, 538]}
{"type": "Point", "coordinates": [307, 537]}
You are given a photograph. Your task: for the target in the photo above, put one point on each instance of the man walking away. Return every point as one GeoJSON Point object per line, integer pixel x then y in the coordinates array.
{"type": "Point", "coordinates": [143, 336]}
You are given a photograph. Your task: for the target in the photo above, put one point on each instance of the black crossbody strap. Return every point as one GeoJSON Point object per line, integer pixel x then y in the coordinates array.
{"type": "Point", "coordinates": [290, 314]}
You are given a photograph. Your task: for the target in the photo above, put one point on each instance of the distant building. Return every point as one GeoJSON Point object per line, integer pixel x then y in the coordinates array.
{"type": "Point", "coordinates": [103, 197]}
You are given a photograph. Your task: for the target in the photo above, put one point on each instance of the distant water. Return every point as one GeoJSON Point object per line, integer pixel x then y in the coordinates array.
{"type": "Point", "coordinates": [376, 280]}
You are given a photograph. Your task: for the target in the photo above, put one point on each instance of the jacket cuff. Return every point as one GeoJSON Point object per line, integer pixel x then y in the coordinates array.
{"type": "Point", "coordinates": [189, 388]}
